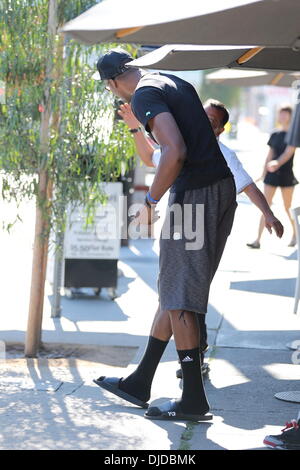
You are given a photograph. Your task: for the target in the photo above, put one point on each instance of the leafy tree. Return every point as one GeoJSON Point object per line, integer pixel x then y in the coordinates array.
{"type": "Point", "coordinates": [57, 128]}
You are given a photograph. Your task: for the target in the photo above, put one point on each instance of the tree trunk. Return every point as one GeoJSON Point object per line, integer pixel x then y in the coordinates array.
{"type": "Point", "coordinates": [40, 249]}
{"type": "Point", "coordinates": [35, 316]}
{"type": "Point", "coordinates": [44, 268]}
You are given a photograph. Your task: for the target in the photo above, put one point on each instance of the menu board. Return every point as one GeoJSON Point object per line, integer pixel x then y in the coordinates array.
{"type": "Point", "coordinates": [102, 239]}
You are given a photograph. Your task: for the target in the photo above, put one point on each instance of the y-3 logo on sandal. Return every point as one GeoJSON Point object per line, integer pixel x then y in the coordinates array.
{"type": "Point", "coordinates": [172, 413]}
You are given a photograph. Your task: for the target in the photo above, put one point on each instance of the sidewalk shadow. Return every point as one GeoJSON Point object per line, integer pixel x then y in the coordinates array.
{"type": "Point", "coordinates": [293, 256]}
{"type": "Point", "coordinates": [283, 287]}
{"type": "Point", "coordinates": [95, 308]}
{"type": "Point", "coordinates": [78, 415]}
{"type": "Point", "coordinates": [142, 259]}
{"type": "Point", "coordinates": [252, 406]}
{"type": "Point", "coordinates": [257, 373]}
{"type": "Point", "coordinates": [59, 420]}
{"type": "Point", "coordinates": [77, 310]}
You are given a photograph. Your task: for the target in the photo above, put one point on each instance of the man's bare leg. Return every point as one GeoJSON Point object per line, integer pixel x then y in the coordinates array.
{"type": "Point", "coordinates": [161, 326]}
{"type": "Point", "coordinates": [185, 328]}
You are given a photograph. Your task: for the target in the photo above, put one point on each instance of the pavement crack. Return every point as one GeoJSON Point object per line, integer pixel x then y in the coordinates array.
{"type": "Point", "coordinates": [59, 387]}
{"type": "Point", "coordinates": [75, 389]}
{"type": "Point", "coordinates": [186, 436]}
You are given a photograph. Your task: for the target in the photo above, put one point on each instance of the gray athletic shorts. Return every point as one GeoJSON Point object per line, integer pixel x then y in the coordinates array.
{"type": "Point", "coordinates": [192, 241]}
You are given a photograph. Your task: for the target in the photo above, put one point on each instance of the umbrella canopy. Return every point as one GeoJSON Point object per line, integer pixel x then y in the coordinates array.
{"type": "Point", "coordinates": [261, 22]}
{"type": "Point", "coordinates": [185, 57]}
{"type": "Point", "coordinates": [251, 78]}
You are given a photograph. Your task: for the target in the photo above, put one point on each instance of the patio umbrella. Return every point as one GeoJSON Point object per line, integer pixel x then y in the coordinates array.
{"type": "Point", "coordinates": [248, 78]}
{"type": "Point", "coordinates": [186, 57]}
{"type": "Point", "coordinates": [261, 22]}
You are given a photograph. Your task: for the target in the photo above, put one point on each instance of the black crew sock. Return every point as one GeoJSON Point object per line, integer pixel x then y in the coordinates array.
{"type": "Point", "coordinates": [139, 382]}
{"type": "Point", "coordinates": [193, 399]}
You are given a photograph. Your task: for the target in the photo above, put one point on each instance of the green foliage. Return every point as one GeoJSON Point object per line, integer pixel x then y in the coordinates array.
{"type": "Point", "coordinates": [85, 145]}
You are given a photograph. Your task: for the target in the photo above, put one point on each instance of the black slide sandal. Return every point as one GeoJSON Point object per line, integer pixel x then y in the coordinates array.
{"type": "Point", "coordinates": [170, 411]}
{"type": "Point", "coordinates": [111, 384]}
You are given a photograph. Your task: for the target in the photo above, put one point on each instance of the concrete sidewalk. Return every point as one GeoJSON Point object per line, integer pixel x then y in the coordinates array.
{"type": "Point", "coordinates": [52, 403]}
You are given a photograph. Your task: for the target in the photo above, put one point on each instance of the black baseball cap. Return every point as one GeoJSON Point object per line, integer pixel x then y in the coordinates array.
{"type": "Point", "coordinates": [112, 64]}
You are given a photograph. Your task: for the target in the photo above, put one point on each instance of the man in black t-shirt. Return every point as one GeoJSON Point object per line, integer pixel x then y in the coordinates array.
{"type": "Point", "coordinates": [160, 93]}
{"type": "Point", "coordinates": [201, 208]}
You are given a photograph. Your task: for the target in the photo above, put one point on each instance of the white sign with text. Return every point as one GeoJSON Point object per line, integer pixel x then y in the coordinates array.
{"type": "Point", "coordinates": [102, 239]}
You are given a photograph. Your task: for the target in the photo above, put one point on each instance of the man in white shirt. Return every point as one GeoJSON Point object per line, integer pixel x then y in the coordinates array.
{"type": "Point", "coordinates": [218, 116]}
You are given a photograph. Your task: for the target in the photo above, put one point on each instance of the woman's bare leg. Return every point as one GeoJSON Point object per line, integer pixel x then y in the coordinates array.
{"type": "Point", "coordinates": [287, 196]}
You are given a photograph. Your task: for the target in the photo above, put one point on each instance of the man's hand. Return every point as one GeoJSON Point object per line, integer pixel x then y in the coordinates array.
{"type": "Point", "coordinates": [127, 115]}
{"type": "Point", "coordinates": [272, 222]}
{"type": "Point", "coordinates": [273, 166]}
{"type": "Point", "coordinates": [146, 216]}
{"type": "Point", "coordinates": [144, 219]}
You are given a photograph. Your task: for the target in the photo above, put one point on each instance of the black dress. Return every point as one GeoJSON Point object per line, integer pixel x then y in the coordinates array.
{"type": "Point", "coordinates": [284, 176]}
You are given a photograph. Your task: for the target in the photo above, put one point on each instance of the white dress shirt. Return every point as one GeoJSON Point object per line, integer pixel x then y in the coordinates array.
{"type": "Point", "coordinates": [241, 177]}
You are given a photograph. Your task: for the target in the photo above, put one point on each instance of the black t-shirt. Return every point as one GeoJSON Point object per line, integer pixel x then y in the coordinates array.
{"type": "Point", "coordinates": [158, 93]}
{"type": "Point", "coordinates": [277, 142]}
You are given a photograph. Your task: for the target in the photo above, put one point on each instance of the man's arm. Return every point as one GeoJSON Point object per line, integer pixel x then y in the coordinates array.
{"type": "Point", "coordinates": [257, 197]}
{"type": "Point", "coordinates": [143, 147]}
{"type": "Point", "coordinates": [241, 178]}
{"type": "Point", "coordinates": [274, 165]}
{"type": "Point", "coordinates": [173, 152]}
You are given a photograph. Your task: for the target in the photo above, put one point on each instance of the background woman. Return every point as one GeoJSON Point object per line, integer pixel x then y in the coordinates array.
{"type": "Point", "coordinates": [283, 177]}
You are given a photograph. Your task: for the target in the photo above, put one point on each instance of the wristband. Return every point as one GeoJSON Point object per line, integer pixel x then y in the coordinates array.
{"type": "Point", "coordinates": [133, 131]}
{"type": "Point", "coordinates": [150, 198]}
